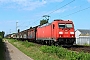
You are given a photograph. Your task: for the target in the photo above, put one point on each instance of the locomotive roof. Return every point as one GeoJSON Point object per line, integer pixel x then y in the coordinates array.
{"type": "Point", "coordinates": [61, 20]}
{"type": "Point", "coordinates": [44, 24]}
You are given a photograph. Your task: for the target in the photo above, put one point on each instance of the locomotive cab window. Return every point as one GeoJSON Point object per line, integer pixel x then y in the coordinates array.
{"type": "Point", "coordinates": [69, 26]}
{"type": "Point", "coordinates": [65, 25]}
{"type": "Point", "coordinates": [61, 25]}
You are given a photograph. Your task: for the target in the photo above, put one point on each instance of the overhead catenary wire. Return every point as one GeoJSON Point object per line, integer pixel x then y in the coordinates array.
{"type": "Point", "coordinates": [77, 11]}
{"type": "Point", "coordinates": [57, 9]}
{"type": "Point", "coordinates": [80, 6]}
{"type": "Point", "coordinates": [61, 7]}
{"type": "Point", "coordinates": [76, 8]}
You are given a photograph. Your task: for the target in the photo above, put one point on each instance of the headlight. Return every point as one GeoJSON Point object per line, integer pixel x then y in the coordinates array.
{"type": "Point", "coordinates": [71, 32]}
{"type": "Point", "coordinates": [60, 32]}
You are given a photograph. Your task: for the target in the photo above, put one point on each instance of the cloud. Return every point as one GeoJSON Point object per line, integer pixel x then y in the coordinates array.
{"type": "Point", "coordinates": [33, 5]}
{"type": "Point", "coordinates": [26, 4]}
{"type": "Point", "coordinates": [53, 1]}
{"type": "Point", "coordinates": [59, 10]}
{"type": "Point", "coordinates": [22, 4]}
{"type": "Point", "coordinates": [88, 1]}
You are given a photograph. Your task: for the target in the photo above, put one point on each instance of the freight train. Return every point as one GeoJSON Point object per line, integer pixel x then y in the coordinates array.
{"type": "Point", "coordinates": [59, 32]}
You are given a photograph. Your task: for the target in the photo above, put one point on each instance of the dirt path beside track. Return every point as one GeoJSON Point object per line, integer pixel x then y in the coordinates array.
{"type": "Point", "coordinates": [12, 53]}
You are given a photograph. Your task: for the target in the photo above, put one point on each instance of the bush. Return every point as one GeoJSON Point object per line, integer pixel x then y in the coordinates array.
{"type": "Point", "coordinates": [61, 53]}
{"type": "Point", "coordinates": [2, 49]}
{"type": "Point", "coordinates": [65, 54]}
{"type": "Point", "coordinates": [0, 38]}
{"type": "Point", "coordinates": [27, 44]}
{"type": "Point", "coordinates": [49, 49]}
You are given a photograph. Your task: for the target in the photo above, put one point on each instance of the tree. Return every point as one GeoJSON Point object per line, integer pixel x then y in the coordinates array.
{"type": "Point", "coordinates": [2, 34]}
{"type": "Point", "coordinates": [43, 22]}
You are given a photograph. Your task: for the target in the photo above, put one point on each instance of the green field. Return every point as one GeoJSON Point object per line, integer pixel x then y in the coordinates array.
{"type": "Point", "coordinates": [38, 52]}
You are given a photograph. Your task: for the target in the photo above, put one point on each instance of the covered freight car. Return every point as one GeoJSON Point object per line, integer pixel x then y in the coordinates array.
{"type": "Point", "coordinates": [32, 34]}
{"type": "Point", "coordinates": [25, 34]}
{"type": "Point", "coordinates": [22, 35]}
{"type": "Point", "coordinates": [59, 32]}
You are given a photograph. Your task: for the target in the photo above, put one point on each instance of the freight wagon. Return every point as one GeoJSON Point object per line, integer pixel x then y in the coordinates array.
{"type": "Point", "coordinates": [32, 34]}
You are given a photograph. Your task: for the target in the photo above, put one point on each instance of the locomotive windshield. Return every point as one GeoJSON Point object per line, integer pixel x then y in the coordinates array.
{"type": "Point", "coordinates": [69, 26]}
{"type": "Point", "coordinates": [65, 26]}
{"type": "Point", "coordinates": [61, 25]}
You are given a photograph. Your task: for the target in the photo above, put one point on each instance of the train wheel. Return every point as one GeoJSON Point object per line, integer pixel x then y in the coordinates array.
{"type": "Point", "coordinates": [56, 44]}
{"type": "Point", "coordinates": [46, 42]}
{"type": "Point", "coordinates": [43, 43]}
{"type": "Point", "coordinates": [51, 42]}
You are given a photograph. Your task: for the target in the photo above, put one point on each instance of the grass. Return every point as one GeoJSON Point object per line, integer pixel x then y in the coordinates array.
{"type": "Point", "coordinates": [65, 54]}
{"type": "Point", "coordinates": [86, 44]}
{"type": "Point", "coordinates": [33, 50]}
{"type": "Point", "coordinates": [2, 55]}
{"type": "Point", "coordinates": [44, 52]}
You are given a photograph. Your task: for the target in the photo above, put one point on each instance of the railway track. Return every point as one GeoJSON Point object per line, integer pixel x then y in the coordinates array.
{"type": "Point", "coordinates": [80, 48]}
{"type": "Point", "coordinates": [77, 48]}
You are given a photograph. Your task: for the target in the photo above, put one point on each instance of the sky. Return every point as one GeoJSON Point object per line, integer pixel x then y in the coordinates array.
{"type": "Point", "coordinates": [27, 13]}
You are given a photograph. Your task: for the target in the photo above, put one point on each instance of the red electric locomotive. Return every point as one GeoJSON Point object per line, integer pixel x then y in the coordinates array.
{"type": "Point", "coordinates": [59, 32]}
